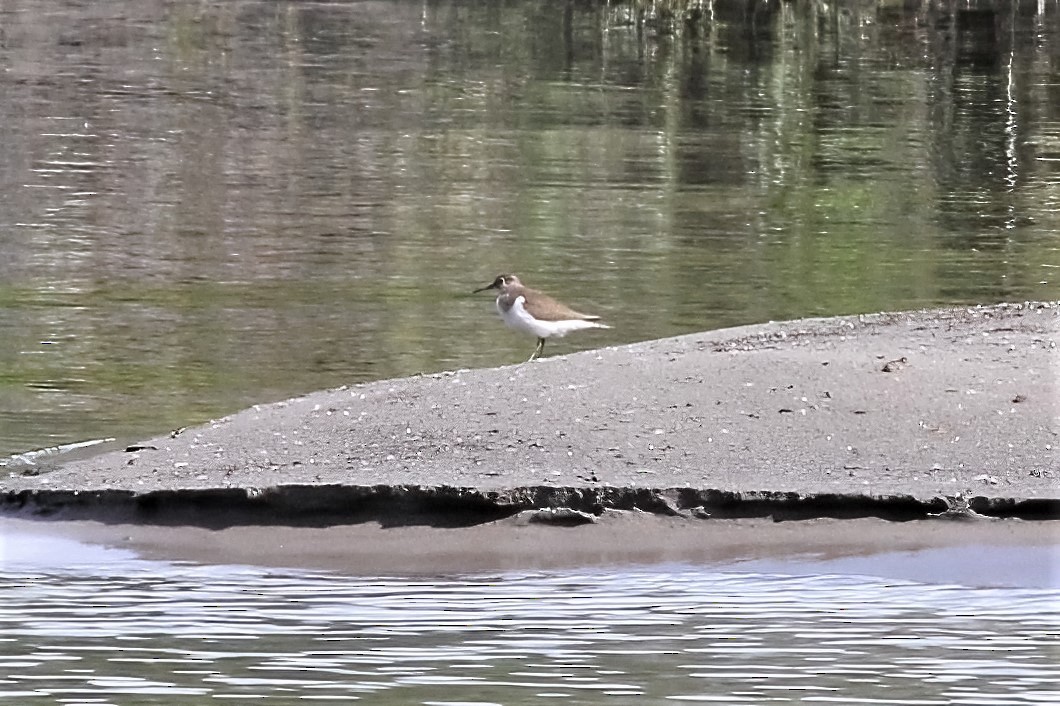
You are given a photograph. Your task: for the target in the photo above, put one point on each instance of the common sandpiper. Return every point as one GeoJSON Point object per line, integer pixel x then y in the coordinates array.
{"type": "Point", "coordinates": [533, 312]}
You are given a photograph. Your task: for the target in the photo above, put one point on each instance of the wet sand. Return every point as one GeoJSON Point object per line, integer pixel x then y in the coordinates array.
{"type": "Point", "coordinates": [900, 416]}
{"type": "Point", "coordinates": [998, 552]}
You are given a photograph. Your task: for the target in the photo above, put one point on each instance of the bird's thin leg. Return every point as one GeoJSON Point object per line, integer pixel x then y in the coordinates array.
{"type": "Point", "coordinates": [537, 351]}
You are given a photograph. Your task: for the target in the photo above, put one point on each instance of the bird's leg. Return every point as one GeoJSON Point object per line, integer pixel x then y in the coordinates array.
{"type": "Point", "coordinates": [537, 351]}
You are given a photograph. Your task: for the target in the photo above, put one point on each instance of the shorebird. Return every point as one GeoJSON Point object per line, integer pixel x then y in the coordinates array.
{"type": "Point", "coordinates": [536, 313]}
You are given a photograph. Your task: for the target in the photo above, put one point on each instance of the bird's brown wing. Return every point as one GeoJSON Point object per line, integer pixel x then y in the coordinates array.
{"type": "Point", "coordinates": [545, 308]}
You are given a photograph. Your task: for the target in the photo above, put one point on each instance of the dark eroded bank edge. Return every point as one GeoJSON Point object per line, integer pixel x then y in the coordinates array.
{"type": "Point", "coordinates": [447, 506]}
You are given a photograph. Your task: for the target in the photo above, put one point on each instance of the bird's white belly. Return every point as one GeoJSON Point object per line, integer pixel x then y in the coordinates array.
{"type": "Point", "coordinates": [519, 319]}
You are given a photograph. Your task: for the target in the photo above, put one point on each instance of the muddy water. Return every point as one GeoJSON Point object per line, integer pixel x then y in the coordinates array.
{"type": "Point", "coordinates": [207, 205]}
{"type": "Point", "coordinates": [85, 624]}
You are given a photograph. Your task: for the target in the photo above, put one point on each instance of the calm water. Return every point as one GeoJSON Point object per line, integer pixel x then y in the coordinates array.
{"type": "Point", "coordinates": [209, 204]}
{"type": "Point", "coordinates": [87, 625]}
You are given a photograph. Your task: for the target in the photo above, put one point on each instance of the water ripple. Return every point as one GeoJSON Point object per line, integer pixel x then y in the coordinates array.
{"type": "Point", "coordinates": [188, 632]}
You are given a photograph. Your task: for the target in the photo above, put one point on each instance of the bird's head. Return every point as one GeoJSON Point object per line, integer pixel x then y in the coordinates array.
{"type": "Point", "coordinates": [500, 283]}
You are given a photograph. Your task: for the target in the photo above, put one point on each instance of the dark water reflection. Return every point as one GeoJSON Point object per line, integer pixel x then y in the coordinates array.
{"type": "Point", "coordinates": [204, 205]}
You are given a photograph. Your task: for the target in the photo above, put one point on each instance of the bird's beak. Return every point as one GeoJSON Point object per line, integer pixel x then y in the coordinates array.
{"type": "Point", "coordinates": [483, 289]}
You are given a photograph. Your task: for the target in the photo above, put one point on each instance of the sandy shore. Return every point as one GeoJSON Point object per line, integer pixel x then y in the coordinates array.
{"type": "Point", "coordinates": [899, 416]}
